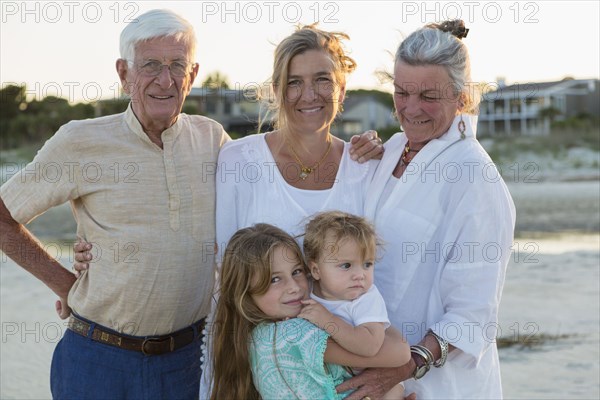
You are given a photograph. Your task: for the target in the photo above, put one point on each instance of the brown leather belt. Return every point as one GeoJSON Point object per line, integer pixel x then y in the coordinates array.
{"type": "Point", "coordinates": [148, 345]}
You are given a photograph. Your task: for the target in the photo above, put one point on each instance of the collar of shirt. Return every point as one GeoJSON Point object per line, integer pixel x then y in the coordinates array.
{"type": "Point", "coordinates": [134, 124]}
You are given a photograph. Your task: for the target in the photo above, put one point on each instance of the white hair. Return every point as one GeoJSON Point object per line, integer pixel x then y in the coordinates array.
{"type": "Point", "coordinates": [154, 24]}
{"type": "Point", "coordinates": [433, 46]}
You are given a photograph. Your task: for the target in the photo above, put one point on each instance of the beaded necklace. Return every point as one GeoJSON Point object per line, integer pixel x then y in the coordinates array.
{"type": "Point", "coordinates": [407, 150]}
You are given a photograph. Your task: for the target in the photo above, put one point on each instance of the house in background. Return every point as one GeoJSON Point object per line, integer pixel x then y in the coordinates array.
{"type": "Point", "coordinates": [364, 110]}
{"type": "Point", "coordinates": [236, 110]}
{"type": "Point", "coordinates": [529, 109]}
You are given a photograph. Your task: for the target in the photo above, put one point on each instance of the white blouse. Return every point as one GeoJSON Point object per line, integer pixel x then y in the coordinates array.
{"type": "Point", "coordinates": [447, 225]}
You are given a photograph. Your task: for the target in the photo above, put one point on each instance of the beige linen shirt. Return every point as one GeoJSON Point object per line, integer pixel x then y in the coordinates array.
{"type": "Point", "coordinates": [149, 212]}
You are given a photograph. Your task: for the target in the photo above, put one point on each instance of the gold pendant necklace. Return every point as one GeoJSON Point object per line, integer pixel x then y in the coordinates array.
{"type": "Point", "coordinates": [304, 170]}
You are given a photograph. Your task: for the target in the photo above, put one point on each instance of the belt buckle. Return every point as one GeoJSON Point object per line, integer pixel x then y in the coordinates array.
{"type": "Point", "coordinates": [158, 340]}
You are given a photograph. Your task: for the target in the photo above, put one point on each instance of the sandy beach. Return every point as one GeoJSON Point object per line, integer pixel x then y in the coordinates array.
{"type": "Point", "coordinates": [550, 310]}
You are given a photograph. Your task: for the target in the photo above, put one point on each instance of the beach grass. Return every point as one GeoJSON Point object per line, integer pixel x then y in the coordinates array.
{"type": "Point", "coordinates": [555, 144]}
{"type": "Point", "coordinates": [528, 342]}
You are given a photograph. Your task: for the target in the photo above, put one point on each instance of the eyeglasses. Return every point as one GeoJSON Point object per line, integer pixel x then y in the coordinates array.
{"type": "Point", "coordinates": [155, 68]}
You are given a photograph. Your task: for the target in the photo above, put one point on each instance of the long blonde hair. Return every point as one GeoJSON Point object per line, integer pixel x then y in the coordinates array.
{"type": "Point", "coordinates": [246, 271]}
{"type": "Point", "coordinates": [305, 38]}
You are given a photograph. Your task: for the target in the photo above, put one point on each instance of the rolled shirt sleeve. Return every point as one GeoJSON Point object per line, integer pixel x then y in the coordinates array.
{"type": "Point", "coordinates": [47, 181]}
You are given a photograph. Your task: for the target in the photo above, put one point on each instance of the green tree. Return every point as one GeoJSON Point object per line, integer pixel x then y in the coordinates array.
{"type": "Point", "coordinates": [112, 106]}
{"type": "Point", "coordinates": [25, 122]}
{"type": "Point", "coordinates": [216, 80]}
{"type": "Point", "coordinates": [12, 99]}
{"type": "Point", "coordinates": [549, 112]}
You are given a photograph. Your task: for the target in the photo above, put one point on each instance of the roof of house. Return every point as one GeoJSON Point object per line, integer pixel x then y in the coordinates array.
{"type": "Point", "coordinates": [527, 89]}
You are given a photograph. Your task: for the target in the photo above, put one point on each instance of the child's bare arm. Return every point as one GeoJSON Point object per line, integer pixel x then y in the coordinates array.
{"type": "Point", "coordinates": [364, 340]}
{"type": "Point", "coordinates": [394, 353]}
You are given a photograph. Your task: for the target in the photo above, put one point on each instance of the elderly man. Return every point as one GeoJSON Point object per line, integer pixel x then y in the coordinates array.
{"type": "Point", "coordinates": [141, 185]}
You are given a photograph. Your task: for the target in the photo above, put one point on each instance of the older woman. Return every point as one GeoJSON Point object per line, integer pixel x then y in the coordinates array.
{"type": "Point", "coordinates": [447, 221]}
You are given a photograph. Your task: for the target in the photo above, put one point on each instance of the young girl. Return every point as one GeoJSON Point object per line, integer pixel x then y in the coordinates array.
{"type": "Point", "coordinates": [261, 350]}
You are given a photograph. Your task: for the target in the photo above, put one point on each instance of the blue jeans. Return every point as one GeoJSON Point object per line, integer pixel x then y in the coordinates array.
{"type": "Point", "coordinates": [85, 369]}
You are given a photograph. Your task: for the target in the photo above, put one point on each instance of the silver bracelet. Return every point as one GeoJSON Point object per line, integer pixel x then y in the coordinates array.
{"type": "Point", "coordinates": [423, 352]}
{"type": "Point", "coordinates": [443, 348]}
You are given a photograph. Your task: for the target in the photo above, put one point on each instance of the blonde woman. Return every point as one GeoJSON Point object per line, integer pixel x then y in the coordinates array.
{"type": "Point", "coordinates": [300, 168]}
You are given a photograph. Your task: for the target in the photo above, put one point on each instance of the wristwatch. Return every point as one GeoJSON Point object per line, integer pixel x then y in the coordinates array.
{"type": "Point", "coordinates": [422, 360]}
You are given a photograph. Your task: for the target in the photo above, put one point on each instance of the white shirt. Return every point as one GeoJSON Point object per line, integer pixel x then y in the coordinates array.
{"type": "Point", "coordinates": [251, 189]}
{"type": "Point", "coordinates": [447, 225]}
{"type": "Point", "coordinates": [368, 307]}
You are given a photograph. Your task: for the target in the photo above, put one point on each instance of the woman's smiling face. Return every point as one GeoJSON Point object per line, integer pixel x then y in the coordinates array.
{"type": "Point", "coordinates": [426, 101]}
{"type": "Point", "coordinates": [313, 94]}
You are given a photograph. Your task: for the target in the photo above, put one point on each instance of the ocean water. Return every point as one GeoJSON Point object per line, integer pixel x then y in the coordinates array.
{"type": "Point", "coordinates": [550, 310]}
{"type": "Point", "coordinates": [549, 317]}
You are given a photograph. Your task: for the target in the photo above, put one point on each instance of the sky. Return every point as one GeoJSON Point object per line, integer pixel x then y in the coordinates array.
{"type": "Point", "coordinates": [69, 48]}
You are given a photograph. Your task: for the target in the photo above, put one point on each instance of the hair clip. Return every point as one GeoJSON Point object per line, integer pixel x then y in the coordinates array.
{"type": "Point", "coordinates": [462, 32]}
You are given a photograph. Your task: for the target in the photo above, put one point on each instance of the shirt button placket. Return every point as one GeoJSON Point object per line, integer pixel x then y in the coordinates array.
{"type": "Point", "coordinates": [174, 199]}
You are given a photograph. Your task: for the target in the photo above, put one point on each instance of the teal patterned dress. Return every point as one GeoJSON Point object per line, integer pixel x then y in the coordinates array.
{"type": "Point", "coordinates": [286, 358]}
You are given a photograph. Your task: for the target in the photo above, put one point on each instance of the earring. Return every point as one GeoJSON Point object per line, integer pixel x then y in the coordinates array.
{"type": "Point", "coordinates": [461, 127]}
